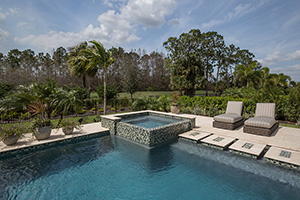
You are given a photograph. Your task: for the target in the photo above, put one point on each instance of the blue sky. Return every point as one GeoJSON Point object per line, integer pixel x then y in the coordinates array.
{"type": "Point", "coordinates": [268, 28]}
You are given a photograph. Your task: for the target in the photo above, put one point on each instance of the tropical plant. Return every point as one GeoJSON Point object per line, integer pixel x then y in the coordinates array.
{"type": "Point", "coordinates": [78, 63]}
{"type": "Point", "coordinates": [64, 101]}
{"type": "Point", "coordinates": [69, 124]}
{"type": "Point", "coordinates": [14, 130]}
{"type": "Point", "coordinates": [40, 122]}
{"type": "Point", "coordinates": [98, 58]}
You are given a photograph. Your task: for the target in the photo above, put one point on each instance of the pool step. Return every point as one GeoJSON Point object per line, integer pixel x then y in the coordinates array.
{"type": "Point", "coordinates": [194, 135]}
{"type": "Point", "coordinates": [246, 148]}
{"type": "Point", "coordinates": [283, 157]}
{"type": "Point", "coordinates": [219, 142]}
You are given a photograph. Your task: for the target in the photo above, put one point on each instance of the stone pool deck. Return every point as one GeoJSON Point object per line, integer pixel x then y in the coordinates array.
{"type": "Point", "coordinates": [282, 147]}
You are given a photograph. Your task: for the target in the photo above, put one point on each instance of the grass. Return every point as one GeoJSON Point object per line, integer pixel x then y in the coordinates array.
{"type": "Point", "coordinates": [289, 125]}
{"type": "Point", "coordinates": [142, 94]}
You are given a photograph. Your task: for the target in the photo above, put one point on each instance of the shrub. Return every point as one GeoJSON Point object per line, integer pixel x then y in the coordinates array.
{"type": "Point", "coordinates": [14, 130]}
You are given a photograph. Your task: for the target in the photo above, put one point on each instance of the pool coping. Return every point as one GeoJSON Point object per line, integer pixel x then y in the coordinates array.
{"type": "Point", "coordinates": [28, 143]}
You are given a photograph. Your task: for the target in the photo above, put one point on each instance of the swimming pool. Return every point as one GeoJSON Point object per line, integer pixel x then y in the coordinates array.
{"type": "Point", "coordinates": [112, 168]}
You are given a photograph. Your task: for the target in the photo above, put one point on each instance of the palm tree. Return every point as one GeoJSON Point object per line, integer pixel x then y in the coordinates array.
{"type": "Point", "coordinates": [78, 63]}
{"type": "Point", "coordinates": [98, 58]}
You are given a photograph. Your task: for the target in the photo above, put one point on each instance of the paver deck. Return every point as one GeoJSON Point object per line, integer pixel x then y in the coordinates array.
{"type": "Point", "coordinates": [283, 156]}
{"type": "Point", "coordinates": [219, 141]}
{"type": "Point", "coordinates": [194, 135]}
{"type": "Point", "coordinates": [284, 137]}
{"type": "Point", "coordinates": [248, 148]}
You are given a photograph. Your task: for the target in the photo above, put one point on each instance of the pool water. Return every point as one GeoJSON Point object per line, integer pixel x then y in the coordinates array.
{"type": "Point", "coordinates": [112, 168]}
{"type": "Point", "coordinates": [151, 121]}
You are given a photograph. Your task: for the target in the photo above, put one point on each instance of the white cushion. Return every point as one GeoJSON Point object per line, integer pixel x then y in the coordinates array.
{"type": "Point", "coordinates": [265, 110]}
{"type": "Point", "coordinates": [262, 122]}
{"type": "Point", "coordinates": [234, 107]}
{"type": "Point", "coordinates": [228, 118]}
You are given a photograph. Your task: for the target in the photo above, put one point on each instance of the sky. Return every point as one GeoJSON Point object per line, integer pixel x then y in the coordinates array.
{"type": "Point", "coordinates": [270, 29]}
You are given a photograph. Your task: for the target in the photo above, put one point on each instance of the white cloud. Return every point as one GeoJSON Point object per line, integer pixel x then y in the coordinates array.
{"type": "Point", "coordinates": [115, 28]}
{"type": "Point", "coordinates": [3, 35]}
{"type": "Point", "coordinates": [294, 55]}
{"type": "Point", "coordinates": [271, 59]}
{"type": "Point", "coordinates": [148, 12]}
{"type": "Point", "coordinates": [12, 11]}
{"type": "Point", "coordinates": [292, 21]}
{"type": "Point", "coordinates": [239, 11]}
{"type": "Point", "coordinates": [54, 39]}
{"type": "Point", "coordinates": [2, 17]}
{"type": "Point", "coordinates": [291, 70]}
{"type": "Point", "coordinates": [174, 21]}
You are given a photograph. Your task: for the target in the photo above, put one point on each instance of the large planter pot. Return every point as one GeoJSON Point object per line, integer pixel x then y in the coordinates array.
{"type": "Point", "coordinates": [175, 109]}
{"type": "Point", "coordinates": [10, 140]}
{"type": "Point", "coordinates": [68, 131]}
{"type": "Point", "coordinates": [42, 133]}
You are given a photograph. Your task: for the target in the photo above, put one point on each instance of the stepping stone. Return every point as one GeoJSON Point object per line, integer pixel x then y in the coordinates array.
{"type": "Point", "coordinates": [194, 135]}
{"type": "Point", "coordinates": [246, 148]}
{"type": "Point", "coordinates": [220, 142]}
{"type": "Point", "coordinates": [283, 157]}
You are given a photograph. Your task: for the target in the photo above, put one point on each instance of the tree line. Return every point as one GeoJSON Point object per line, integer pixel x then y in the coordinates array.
{"type": "Point", "coordinates": [131, 71]}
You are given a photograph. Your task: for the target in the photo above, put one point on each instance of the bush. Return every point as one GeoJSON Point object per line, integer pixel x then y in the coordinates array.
{"type": "Point", "coordinates": [5, 88]}
{"type": "Point", "coordinates": [111, 92]}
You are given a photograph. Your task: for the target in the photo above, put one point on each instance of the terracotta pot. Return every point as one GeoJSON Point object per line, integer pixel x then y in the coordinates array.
{"type": "Point", "coordinates": [10, 140]}
{"type": "Point", "coordinates": [175, 109]}
{"type": "Point", "coordinates": [67, 131]}
{"type": "Point", "coordinates": [42, 133]}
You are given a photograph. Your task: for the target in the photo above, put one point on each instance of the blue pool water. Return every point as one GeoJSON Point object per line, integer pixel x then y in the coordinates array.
{"type": "Point", "coordinates": [150, 121]}
{"type": "Point", "coordinates": [111, 168]}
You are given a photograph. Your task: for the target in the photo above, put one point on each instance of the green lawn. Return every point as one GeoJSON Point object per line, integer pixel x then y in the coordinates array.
{"type": "Point", "coordinates": [142, 94]}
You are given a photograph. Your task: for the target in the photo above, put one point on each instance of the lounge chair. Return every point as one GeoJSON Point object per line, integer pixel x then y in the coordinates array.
{"type": "Point", "coordinates": [232, 119]}
{"type": "Point", "coordinates": [264, 122]}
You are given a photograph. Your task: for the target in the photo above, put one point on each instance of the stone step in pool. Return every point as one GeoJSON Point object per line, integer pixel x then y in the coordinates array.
{"type": "Point", "coordinates": [247, 148]}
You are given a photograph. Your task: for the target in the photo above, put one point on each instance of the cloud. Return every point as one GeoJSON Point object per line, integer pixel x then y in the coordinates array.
{"type": "Point", "coordinates": [150, 13]}
{"type": "Point", "coordinates": [291, 70]}
{"type": "Point", "coordinates": [294, 55]}
{"type": "Point", "coordinates": [173, 22]}
{"type": "Point", "coordinates": [3, 35]}
{"type": "Point", "coordinates": [115, 28]}
{"type": "Point", "coordinates": [2, 17]}
{"type": "Point", "coordinates": [271, 59]}
{"type": "Point", "coordinates": [54, 39]}
{"type": "Point", "coordinates": [292, 21]}
{"type": "Point", "coordinates": [239, 11]}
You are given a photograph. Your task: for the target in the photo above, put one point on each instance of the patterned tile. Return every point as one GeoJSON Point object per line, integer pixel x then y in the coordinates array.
{"type": "Point", "coordinates": [286, 154]}
{"type": "Point", "coordinates": [194, 133]}
{"type": "Point", "coordinates": [247, 145]}
{"type": "Point", "coordinates": [218, 139]}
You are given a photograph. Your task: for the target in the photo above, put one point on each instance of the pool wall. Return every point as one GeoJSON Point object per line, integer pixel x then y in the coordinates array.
{"type": "Point", "coordinates": [149, 137]}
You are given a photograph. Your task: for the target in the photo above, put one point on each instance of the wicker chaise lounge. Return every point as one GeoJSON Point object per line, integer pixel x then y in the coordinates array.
{"type": "Point", "coordinates": [232, 119]}
{"type": "Point", "coordinates": [264, 122]}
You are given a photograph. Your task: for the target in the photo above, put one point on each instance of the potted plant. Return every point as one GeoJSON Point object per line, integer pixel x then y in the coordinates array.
{"type": "Point", "coordinates": [68, 126]}
{"type": "Point", "coordinates": [41, 128]}
{"type": "Point", "coordinates": [9, 135]}
{"type": "Point", "coordinates": [174, 106]}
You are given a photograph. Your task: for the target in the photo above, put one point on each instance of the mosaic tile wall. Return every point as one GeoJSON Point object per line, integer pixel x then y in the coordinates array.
{"type": "Point", "coordinates": [149, 137]}
{"type": "Point", "coordinates": [110, 124]}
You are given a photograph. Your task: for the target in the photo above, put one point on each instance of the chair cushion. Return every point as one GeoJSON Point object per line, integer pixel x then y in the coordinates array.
{"type": "Point", "coordinates": [234, 107]}
{"type": "Point", "coordinates": [265, 110]}
{"type": "Point", "coordinates": [228, 118]}
{"type": "Point", "coordinates": [262, 122]}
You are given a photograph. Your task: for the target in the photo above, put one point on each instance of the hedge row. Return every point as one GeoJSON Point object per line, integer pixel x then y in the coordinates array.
{"type": "Point", "coordinates": [286, 108]}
